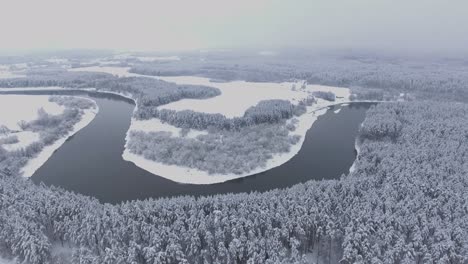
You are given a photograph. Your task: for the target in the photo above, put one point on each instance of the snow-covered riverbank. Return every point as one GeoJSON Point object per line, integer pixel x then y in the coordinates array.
{"type": "Point", "coordinates": [35, 163]}
{"type": "Point", "coordinates": [235, 98]}
{"type": "Point", "coordinates": [16, 108]}
{"type": "Point", "coordinates": [195, 176]}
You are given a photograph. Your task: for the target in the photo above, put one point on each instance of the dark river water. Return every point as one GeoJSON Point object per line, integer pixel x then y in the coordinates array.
{"type": "Point", "coordinates": [90, 162]}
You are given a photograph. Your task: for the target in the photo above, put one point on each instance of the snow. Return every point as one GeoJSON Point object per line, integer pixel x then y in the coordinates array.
{"type": "Point", "coordinates": [15, 108]}
{"type": "Point", "coordinates": [166, 58]}
{"type": "Point", "coordinates": [25, 139]}
{"type": "Point", "coordinates": [25, 107]}
{"type": "Point", "coordinates": [236, 97]}
{"type": "Point", "coordinates": [195, 176]}
{"type": "Point", "coordinates": [118, 71]}
{"type": "Point", "coordinates": [358, 150]}
{"type": "Point", "coordinates": [57, 60]}
{"type": "Point", "coordinates": [337, 111]}
{"type": "Point", "coordinates": [35, 163]}
{"type": "Point", "coordinates": [19, 89]}
{"type": "Point", "coordinates": [267, 53]}
{"type": "Point", "coordinates": [8, 261]}
{"type": "Point", "coordinates": [109, 62]}
{"type": "Point", "coordinates": [155, 125]}
{"type": "Point", "coordinates": [6, 72]}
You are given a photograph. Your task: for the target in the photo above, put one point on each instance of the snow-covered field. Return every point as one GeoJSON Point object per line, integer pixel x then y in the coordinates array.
{"type": "Point", "coordinates": [8, 261]}
{"type": "Point", "coordinates": [162, 58]}
{"type": "Point", "coordinates": [236, 97]}
{"type": "Point", "coordinates": [15, 108]}
{"type": "Point", "coordinates": [5, 73]}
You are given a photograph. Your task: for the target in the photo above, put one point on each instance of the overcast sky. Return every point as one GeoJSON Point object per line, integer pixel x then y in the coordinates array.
{"type": "Point", "coordinates": [425, 25]}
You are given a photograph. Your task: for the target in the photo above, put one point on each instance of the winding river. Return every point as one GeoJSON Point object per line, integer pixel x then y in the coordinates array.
{"type": "Point", "coordinates": [90, 162]}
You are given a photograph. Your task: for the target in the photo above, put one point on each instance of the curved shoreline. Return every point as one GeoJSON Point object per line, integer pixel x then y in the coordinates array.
{"type": "Point", "coordinates": [35, 163]}
{"type": "Point", "coordinates": [186, 175]}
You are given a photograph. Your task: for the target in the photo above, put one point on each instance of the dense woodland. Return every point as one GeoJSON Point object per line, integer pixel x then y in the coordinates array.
{"type": "Point", "coordinates": [265, 112]}
{"type": "Point", "coordinates": [149, 92]}
{"type": "Point", "coordinates": [404, 203]}
{"type": "Point", "coordinates": [446, 78]}
{"type": "Point", "coordinates": [221, 152]}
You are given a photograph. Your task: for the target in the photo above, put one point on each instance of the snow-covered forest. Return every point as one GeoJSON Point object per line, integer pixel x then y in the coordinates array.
{"type": "Point", "coordinates": [445, 78]}
{"type": "Point", "coordinates": [234, 132]}
{"type": "Point", "coordinates": [404, 203]}
{"type": "Point", "coordinates": [221, 152]}
{"type": "Point", "coordinates": [265, 112]}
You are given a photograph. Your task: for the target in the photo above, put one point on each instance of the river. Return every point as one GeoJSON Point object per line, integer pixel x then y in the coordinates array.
{"type": "Point", "coordinates": [90, 162]}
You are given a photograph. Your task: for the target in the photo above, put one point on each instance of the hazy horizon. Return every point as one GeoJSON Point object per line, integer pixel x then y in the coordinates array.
{"type": "Point", "coordinates": [416, 26]}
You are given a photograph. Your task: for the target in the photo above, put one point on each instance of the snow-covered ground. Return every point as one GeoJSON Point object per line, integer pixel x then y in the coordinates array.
{"type": "Point", "coordinates": [236, 97]}
{"type": "Point", "coordinates": [6, 72]}
{"type": "Point", "coordinates": [25, 138]}
{"type": "Point", "coordinates": [8, 261]}
{"type": "Point", "coordinates": [117, 71]}
{"type": "Point", "coordinates": [153, 125]}
{"type": "Point", "coordinates": [163, 58]}
{"type": "Point", "coordinates": [57, 60]}
{"type": "Point", "coordinates": [46, 88]}
{"type": "Point", "coordinates": [16, 108]}
{"type": "Point", "coordinates": [195, 176]}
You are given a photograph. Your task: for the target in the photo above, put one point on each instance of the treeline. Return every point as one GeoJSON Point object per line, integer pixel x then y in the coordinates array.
{"type": "Point", "coordinates": [217, 72]}
{"type": "Point", "coordinates": [222, 152]}
{"type": "Point", "coordinates": [53, 77]}
{"type": "Point", "coordinates": [73, 102]}
{"type": "Point", "coordinates": [425, 78]}
{"type": "Point", "coordinates": [265, 112]}
{"type": "Point", "coordinates": [329, 96]}
{"type": "Point", "coordinates": [366, 94]}
{"type": "Point", "coordinates": [151, 93]}
{"type": "Point", "coordinates": [406, 202]}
